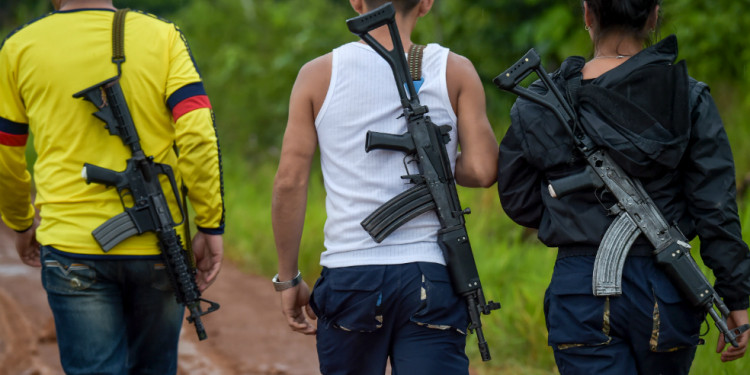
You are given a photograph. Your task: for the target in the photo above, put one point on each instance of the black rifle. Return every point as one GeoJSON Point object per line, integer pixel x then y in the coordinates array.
{"type": "Point", "coordinates": [636, 212]}
{"type": "Point", "coordinates": [434, 187]}
{"type": "Point", "coordinates": [149, 210]}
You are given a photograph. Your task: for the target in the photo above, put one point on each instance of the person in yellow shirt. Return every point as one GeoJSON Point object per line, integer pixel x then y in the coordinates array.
{"type": "Point", "coordinates": [115, 311]}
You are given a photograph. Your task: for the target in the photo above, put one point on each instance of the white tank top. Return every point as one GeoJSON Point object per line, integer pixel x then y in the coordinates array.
{"type": "Point", "coordinates": [363, 96]}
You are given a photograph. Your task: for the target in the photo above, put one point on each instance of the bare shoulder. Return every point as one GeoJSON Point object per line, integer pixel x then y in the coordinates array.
{"type": "Point", "coordinates": [313, 80]}
{"type": "Point", "coordinates": [460, 76]}
{"type": "Point", "coordinates": [459, 66]}
{"type": "Point", "coordinates": [318, 66]}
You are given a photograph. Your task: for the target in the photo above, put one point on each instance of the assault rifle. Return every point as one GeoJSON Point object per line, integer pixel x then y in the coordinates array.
{"type": "Point", "coordinates": [636, 212]}
{"type": "Point", "coordinates": [434, 187]}
{"type": "Point", "coordinates": [149, 210]}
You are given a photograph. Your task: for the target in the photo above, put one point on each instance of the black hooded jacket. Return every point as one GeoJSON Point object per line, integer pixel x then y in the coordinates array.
{"type": "Point", "coordinates": [682, 157]}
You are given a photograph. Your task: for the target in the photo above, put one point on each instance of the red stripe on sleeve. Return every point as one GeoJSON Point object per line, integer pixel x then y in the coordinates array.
{"type": "Point", "coordinates": [190, 104]}
{"type": "Point", "coordinates": [7, 139]}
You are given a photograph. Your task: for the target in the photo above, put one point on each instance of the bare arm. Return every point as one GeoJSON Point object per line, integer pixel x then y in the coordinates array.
{"type": "Point", "coordinates": [289, 201]}
{"type": "Point", "coordinates": [476, 165]}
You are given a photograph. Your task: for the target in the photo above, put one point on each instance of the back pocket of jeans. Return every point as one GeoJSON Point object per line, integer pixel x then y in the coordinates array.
{"type": "Point", "coordinates": [352, 298]}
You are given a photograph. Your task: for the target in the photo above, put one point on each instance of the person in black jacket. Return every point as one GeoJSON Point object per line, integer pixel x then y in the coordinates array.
{"type": "Point", "coordinates": [684, 161]}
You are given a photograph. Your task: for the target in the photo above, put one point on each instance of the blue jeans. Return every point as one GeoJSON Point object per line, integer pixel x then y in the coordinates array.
{"type": "Point", "coordinates": [112, 316]}
{"type": "Point", "coordinates": [407, 312]}
{"type": "Point", "coordinates": [649, 329]}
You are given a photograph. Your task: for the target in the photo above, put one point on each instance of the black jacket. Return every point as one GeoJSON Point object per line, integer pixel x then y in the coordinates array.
{"type": "Point", "coordinates": [690, 177]}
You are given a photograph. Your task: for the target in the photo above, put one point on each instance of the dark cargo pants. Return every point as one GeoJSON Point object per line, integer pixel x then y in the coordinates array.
{"type": "Point", "coordinates": [649, 329]}
{"type": "Point", "coordinates": [407, 312]}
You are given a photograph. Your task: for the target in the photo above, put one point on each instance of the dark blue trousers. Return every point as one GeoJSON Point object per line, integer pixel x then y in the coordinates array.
{"type": "Point", "coordinates": [408, 313]}
{"type": "Point", "coordinates": [649, 329]}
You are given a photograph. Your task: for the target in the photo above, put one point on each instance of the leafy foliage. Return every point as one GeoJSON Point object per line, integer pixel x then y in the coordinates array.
{"type": "Point", "coordinates": [249, 58]}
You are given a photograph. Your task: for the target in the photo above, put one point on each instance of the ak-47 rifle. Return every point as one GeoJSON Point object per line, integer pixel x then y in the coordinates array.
{"type": "Point", "coordinates": [150, 211]}
{"type": "Point", "coordinates": [636, 212]}
{"type": "Point", "coordinates": [434, 187]}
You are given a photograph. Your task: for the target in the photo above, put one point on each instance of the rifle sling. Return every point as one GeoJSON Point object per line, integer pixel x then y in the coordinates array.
{"type": "Point", "coordinates": [118, 38]}
{"type": "Point", "coordinates": [415, 61]}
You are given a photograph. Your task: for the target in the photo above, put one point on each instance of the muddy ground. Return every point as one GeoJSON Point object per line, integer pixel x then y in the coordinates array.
{"type": "Point", "coordinates": [247, 336]}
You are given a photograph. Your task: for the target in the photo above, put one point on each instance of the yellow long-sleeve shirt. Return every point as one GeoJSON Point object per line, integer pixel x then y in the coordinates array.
{"type": "Point", "coordinates": [47, 61]}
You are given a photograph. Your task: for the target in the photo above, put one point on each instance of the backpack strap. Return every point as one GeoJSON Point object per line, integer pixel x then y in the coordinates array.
{"type": "Point", "coordinates": [118, 38]}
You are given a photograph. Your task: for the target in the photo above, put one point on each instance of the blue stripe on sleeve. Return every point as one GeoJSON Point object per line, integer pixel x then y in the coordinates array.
{"type": "Point", "coordinates": [10, 127]}
{"type": "Point", "coordinates": [188, 91]}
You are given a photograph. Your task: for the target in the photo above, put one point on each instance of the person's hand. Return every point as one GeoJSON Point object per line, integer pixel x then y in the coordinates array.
{"type": "Point", "coordinates": [295, 304]}
{"type": "Point", "coordinates": [208, 250]}
{"type": "Point", "coordinates": [27, 246]}
{"type": "Point", "coordinates": [735, 319]}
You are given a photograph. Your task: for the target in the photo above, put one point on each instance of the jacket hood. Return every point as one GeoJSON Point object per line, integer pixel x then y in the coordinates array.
{"type": "Point", "coordinates": [638, 110]}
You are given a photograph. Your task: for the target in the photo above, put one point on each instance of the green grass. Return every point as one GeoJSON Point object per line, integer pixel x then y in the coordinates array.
{"type": "Point", "coordinates": [249, 235]}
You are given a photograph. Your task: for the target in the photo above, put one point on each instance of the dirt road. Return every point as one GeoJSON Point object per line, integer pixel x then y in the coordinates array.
{"type": "Point", "coordinates": [247, 336]}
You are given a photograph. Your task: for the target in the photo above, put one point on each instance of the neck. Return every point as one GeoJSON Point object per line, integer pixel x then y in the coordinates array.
{"type": "Point", "coordinates": [82, 4]}
{"type": "Point", "coordinates": [617, 46]}
{"type": "Point", "coordinates": [405, 27]}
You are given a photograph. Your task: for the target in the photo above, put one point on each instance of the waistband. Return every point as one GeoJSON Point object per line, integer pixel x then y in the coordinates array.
{"type": "Point", "coordinates": [99, 256]}
{"type": "Point", "coordinates": [584, 250]}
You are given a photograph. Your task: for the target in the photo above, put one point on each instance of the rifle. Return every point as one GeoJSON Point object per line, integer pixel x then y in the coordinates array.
{"type": "Point", "coordinates": [636, 212]}
{"type": "Point", "coordinates": [149, 210]}
{"type": "Point", "coordinates": [434, 187]}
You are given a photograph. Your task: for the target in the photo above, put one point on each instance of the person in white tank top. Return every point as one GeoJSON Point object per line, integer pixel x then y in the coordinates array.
{"type": "Point", "coordinates": [365, 286]}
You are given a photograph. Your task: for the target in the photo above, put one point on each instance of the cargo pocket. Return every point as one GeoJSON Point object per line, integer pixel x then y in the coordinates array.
{"type": "Point", "coordinates": [63, 275]}
{"type": "Point", "coordinates": [350, 298]}
{"type": "Point", "coordinates": [575, 317]}
{"type": "Point", "coordinates": [439, 307]}
{"type": "Point", "coordinates": [676, 323]}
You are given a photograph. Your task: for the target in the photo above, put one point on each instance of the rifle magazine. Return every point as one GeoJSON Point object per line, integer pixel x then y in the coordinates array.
{"type": "Point", "coordinates": [610, 258]}
{"type": "Point", "coordinates": [114, 231]}
{"type": "Point", "coordinates": [397, 211]}
{"type": "Point", "coordinates": [401, 217]}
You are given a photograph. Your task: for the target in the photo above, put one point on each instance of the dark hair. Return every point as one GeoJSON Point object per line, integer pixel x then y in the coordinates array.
{"type": "Point", "coordinates": [627, 16]}
{"type": "Point", "coordinates": [402, 6]}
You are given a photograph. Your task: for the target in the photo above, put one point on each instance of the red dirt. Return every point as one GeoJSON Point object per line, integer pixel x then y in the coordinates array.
{"type": "Point", "coordinates": [246, 336]}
